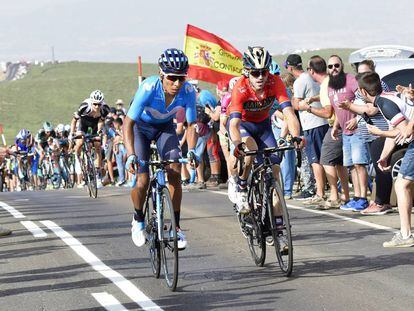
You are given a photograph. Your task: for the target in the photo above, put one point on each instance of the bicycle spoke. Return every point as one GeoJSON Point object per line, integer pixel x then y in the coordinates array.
{"type": "Point", "coordinates": [254, 230]}
{"type": "Point", "coordinates": [169, 248]}
{"type": "Point", "coordinates": [281, 233]}
{"type": "Point", "coordinates": [151, 228]}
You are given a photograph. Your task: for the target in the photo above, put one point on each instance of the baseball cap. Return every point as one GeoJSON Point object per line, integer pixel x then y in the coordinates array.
{"type": "Point", "coordinates": [293, 60]}
{"type": "Point", "coordinates": [119, 102]}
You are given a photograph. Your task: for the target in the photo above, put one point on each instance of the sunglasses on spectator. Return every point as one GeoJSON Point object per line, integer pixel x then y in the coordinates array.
{"type": "Point", "coordinates": [334, 65]}
{"type": "Point", "coordinates": [258, 73]}
{"type": "Point", "coordinates": [175, 78]}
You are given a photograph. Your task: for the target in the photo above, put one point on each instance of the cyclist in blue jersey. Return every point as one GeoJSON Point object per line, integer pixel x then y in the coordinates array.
{"type": "Point", "coordinates": [149, 118]}
{"type": "Point", "coordinates": [23, 142]}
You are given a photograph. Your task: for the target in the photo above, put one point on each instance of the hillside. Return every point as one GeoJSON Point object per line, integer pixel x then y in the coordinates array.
{"type": "Point", "coordinates": [53, 92]}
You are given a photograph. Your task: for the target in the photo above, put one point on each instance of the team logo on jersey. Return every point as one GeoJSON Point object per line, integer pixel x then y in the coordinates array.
{"type": "Point", "coordinates": [242, 89]}
{"type": "Point", "coordinates": [148, 86]}
{"type": "Point", "coordinates": [189, 88]}
{"type": "Point", "coordinates": [259, 105]}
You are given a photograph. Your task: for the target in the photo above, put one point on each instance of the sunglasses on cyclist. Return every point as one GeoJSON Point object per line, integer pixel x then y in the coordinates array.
{"type": "Point", "coordinates": [96, 104]}
{"type": "Point", "coordinates": [334, 65]}
{"type": "Point", "coordinates": [175, 78]}
{"type": "Point", "coordinates": [258, 73]}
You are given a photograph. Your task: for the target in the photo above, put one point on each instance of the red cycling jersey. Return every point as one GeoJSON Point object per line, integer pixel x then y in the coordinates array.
{"type": "Point", "coordinates": [246, 105]}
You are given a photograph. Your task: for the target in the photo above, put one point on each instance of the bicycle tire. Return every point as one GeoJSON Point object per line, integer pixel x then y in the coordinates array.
{"type": "Point", "coordinates": [168, 240]}
{"type": "Point", "coordinates": [1, 182]}
{"type": "Point", "coordinates": [92, 182]}
{"type": "Point", "coordinates": [254, 228]}
{"type": "Point", "coordinates": [151, 229]}
{"type": "Point", "coordinates": [70, 162]}
{"type": "Point", "coordinates": [84, 169]}
{"type": "Point", "coordinates": [285, 255]}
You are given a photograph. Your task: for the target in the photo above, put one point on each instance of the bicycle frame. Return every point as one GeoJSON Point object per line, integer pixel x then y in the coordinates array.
{"type": "Point", "coordinates": [159, 180]}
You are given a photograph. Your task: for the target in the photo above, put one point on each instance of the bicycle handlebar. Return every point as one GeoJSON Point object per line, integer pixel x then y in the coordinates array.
{"type": "Point", "coordinates": [162, 162]}
{"type": "Point", "coordinates": [265, 151]}
{"type": "Point", "coordinates": [88, 137]}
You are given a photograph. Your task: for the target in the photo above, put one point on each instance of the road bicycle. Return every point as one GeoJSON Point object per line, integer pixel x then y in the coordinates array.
{"type": "Point", "coordinates": [87, 161]}
{"type": "Point", "coordinates": [268, 206]}
{"type": "Point", "coordinates": [160, 223]}
{"type": "Point", "coordinates": [67, 167]}
{"type": "Point", "coordinates": [24, 171]}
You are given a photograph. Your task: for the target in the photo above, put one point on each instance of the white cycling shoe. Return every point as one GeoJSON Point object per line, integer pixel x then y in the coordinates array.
{"type": "Point", "coordinates": [181, 239]}
{"type": "Point", "coordinates": [232, 190]}
{"type": "Point", "coordinates": [138, 233]}
{"type": "Point", "coordinates": [242, 203]}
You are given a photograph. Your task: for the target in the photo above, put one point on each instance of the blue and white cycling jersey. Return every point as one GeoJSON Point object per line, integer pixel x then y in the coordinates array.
{"type": "Point", "coordinates": [149, 103]}
{"type": "Point", "coordinates": [20, 145]}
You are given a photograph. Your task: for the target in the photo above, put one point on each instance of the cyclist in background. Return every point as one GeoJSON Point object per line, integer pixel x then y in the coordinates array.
{"type": "Point", "coordinates": [249, 121]}
{"type": "Point", "coordinates": [42, 137]}
{"type": "Point", "coordinates": [90, 114]}
{"type": "Point", "coordinates": [150, 117]}
{"type": "Point", "coordinates": [24, 143]}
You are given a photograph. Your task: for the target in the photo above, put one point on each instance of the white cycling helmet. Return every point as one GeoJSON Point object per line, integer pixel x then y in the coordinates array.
{"type": "Point", "coordinates": [60, 128]}
{"type": "Point", "coordinates": [67, 128]}
{"type": "Point", "coordinates": [256, 58]}
{"type": "Point", "coordinates": [23, 134]}
{"type": "Point", "coordinates": [96, 96]}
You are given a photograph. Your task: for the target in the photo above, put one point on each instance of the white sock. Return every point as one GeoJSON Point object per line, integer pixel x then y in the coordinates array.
{"type": "Point", "coordinates": [406, 237]}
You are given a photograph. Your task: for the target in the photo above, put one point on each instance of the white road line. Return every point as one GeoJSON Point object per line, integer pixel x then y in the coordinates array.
{"type": "Point", "coordinates": [123, 284]}
{"type": "Point", "coordinates": [34, 229]}
{"type": "Point", "coordinates": [350, 219]}
{"type": "Point", "coordinates": [15, 213]}
{"type": "Point", "coordinates": [109, 302]}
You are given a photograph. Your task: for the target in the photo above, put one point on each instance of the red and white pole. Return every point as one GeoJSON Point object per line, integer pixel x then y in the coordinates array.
{"type": "Point", "coordinates": [139, 71]}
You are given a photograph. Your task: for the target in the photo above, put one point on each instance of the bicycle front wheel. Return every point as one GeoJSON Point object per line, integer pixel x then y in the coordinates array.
{"type": "Point", "coordinates": [91, 176]}
{"type": "Point", "coordinates": [254, 229]}
{"type": "Point", "coordinates": [168, 238]}
{"type": "Point", "coordinates": [281, 232]}
{"type": "Point", "coordinates": [151, 228]}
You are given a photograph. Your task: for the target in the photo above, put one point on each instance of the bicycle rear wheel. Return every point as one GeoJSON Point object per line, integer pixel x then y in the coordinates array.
{"type": "Point", "coordinates": [168, 238]}
{"type": "Point", "coordinates": [281, 233]}
{"type": "Point", "coordinates": [152, 232]}
{"type": "Point", "coordinates": [254, 229]}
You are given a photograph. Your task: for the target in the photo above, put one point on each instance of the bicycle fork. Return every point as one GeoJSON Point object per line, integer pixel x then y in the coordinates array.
{"type": "Point", "coordinates": [160, 182]}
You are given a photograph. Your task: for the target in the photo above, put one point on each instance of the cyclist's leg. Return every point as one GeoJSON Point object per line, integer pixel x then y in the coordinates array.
{"type": "Point", "coordinates": [168, 148]}
{"type": "Point", "coordinates": [248, 131]}
{"type": "Point", "coordinates": [142, 142]}
{"type": "Point", "coordinates": [266, 139]}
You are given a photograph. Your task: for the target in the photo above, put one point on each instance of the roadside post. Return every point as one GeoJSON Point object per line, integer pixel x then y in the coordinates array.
{"type": "Point", "coordinates": [2, 135]}
{"type": "Point", "coordinates": [139, 71]}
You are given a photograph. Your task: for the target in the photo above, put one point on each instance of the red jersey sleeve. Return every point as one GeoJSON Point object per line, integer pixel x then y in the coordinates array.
{"type": "Point", "coordinates": [235, 107]}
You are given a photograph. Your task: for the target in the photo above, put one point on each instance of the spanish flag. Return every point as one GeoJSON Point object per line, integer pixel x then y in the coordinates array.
{"type": "Point", "coordinates": [211, 58]}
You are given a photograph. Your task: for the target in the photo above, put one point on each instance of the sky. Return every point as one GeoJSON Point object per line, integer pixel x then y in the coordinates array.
{"type": "Point", "coordinates": [120, 30]}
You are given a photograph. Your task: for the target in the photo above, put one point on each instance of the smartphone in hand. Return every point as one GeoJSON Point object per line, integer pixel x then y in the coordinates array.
{"type": "Point", "coordinates": [367, 119]}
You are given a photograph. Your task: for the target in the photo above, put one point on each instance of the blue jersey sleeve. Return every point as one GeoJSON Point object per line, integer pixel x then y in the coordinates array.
{"type": "Point", "coordinates": [190, 108]}
{"type": "Point", "coordinates": [142, 97]}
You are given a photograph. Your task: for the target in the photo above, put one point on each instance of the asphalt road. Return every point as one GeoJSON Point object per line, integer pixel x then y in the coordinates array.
{"type": "Point", "coordinates": [83, 259]}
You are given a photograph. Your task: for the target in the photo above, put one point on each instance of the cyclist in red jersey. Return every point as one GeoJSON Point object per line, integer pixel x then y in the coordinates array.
{"type": "Point", "coordinates": [249, 123]}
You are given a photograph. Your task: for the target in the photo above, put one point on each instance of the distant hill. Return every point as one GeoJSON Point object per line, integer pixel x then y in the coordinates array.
{"type": "Point", "coordinates": [53, 92]}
